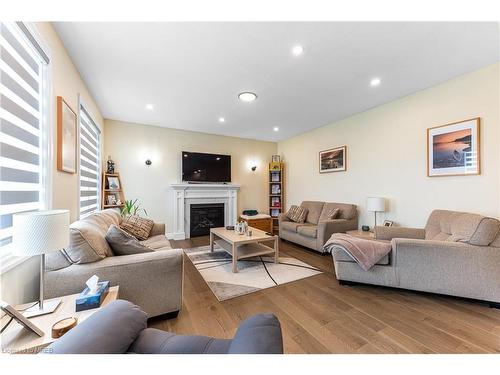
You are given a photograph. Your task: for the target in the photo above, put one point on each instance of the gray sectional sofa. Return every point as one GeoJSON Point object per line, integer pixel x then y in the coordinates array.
{"type": "Point", "coordinates": [317, 229]}
{"type": "Point", "coordinates": [121, 327]}
{"type": "Point", "coordinates": [456, 254]}
{"type": "Point", "coordinates": [152, 280]}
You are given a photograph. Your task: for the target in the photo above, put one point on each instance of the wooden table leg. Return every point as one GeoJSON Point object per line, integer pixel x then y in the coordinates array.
{"type": "Point", "coordinates": [211, 241]}
{"type": "Point", "coordinates": [276, 249]}
{"type": "Point", "coordinates": [235, 259]}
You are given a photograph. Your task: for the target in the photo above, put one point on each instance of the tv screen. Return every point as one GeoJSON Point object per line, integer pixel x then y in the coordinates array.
{"type": "Point", "coordinates": [198, 167]}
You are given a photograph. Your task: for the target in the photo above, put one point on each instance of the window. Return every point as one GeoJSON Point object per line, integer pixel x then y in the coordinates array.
{"type": "Point", "coordinates": [90, 161]}
{"type": "Point", "coordinates": [23, 126]}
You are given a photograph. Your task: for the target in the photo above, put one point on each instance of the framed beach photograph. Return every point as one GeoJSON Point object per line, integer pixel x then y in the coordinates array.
{"type": "Point", "coordinates": [333, 160]}
{"type": "Point", "coordinates": [66, 137]}
{"type": "Point", "coordinates": [454, 149]}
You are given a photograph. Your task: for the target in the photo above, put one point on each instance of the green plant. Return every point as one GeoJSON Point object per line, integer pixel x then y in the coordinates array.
{"type": "Point", "coordinates": [132, 207]}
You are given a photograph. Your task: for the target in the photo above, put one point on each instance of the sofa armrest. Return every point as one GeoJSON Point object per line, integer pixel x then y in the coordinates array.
{"type": "Point", "coordinates": [158, 228]}
{"type": "Point", "coordinates": [328, 227]}
{"type": "Point", "coordinates": [283, 217]}
{"type": "Point", "coordinates": [151, 280]}
{"type": "Point", "coordinates": [259, 334]}
{"type": "Point", "coordinates": [388, 233]}
{"type": "Point", "coordinates": [110, 330]}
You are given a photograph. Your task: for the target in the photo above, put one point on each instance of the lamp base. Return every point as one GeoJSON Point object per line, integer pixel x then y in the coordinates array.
{"type": "Point", "coordinates": [48, 308]}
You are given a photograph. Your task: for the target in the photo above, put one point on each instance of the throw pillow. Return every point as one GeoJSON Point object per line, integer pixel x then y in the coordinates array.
{"type": "Point", "coordinates": [297, 214]}
{"type": "Point", "coordinates": [137, 226]}
{"type": "Point", "coordinates": [124, 243]}
{"type": "Point", "coordinates": [330, 214]}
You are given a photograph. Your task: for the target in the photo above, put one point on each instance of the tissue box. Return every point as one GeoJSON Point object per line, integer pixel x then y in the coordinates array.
{"type": "Point", "coordinates": [87, 300]}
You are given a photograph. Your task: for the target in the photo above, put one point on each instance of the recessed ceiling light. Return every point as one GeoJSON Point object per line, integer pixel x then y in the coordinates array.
{"type": "Point", "coordinates": [222, 119]}
{"type": "Point", "coordinates": [375, 82]}
{"type": "Point", "coordinates": [247, 96]}
{"type": "Point", "coordinates": [276, 129]}
{"type": "Point", "coordinates": [150, 107]}
{"type": "Point", "coordinates": [297, 50]}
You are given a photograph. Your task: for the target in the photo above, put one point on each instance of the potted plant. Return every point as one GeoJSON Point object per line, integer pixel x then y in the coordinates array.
{"type": "Point", "coordinates": [132, 207]}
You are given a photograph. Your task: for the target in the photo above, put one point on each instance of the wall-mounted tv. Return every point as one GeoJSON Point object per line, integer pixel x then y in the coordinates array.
{"type": "Point", "coordinates": [199, 167]}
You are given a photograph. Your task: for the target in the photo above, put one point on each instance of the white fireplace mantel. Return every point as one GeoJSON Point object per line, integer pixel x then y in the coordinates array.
{"type": "Point", "coordinates": [186, 194]}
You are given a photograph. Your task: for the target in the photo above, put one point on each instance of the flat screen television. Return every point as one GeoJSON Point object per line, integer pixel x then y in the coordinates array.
{"type": "Point", "coordinates": [199, 167]}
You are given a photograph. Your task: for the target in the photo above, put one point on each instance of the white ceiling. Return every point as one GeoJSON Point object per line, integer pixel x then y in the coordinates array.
{"type": "Point", "coordinates": [193, 72]}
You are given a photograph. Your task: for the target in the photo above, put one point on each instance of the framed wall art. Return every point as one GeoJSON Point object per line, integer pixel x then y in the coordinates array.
{"type": "Point", "coordinates": [454, 149]}
{"type": "Point", "coordinates": [333, 160]}
{"type": "Point", "coordinates": [66, 137]}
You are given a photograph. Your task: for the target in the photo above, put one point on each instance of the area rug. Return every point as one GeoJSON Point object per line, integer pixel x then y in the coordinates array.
{"type": "Point", "coordinates": [254, 273]}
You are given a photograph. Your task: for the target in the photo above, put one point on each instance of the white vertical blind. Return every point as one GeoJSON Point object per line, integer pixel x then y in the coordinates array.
{"type": "Point", "coordinates": [90, 161]}
{"type": "Point", "coordinates": [21, 125]}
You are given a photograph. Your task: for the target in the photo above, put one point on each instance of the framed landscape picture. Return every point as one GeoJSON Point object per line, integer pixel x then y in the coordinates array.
{"type": "Point", "coordinates": [66, 137]}
{"type": "Point", "coordinates": [454, 149]}
{"type": "Point", "coordinates": [333, 160]}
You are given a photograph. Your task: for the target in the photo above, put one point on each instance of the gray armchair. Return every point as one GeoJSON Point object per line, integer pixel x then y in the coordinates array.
{"type": "Point", "coordinates": [121, 327]}
{"type": "Point", "coordinates": [317, 228]}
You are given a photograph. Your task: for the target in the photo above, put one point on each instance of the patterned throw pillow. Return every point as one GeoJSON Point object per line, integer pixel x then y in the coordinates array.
{"type": "Point", "coordinates": [297, 214]}
{"type": "Point", "coordinates": [137, 226]}
{"type": "Point", "coordinates": [124, 243]}
{"type": "Point", "coordinates": [330, 214]}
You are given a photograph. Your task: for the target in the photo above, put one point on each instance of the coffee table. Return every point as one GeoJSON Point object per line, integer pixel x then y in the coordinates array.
{"type": "Point", "coordinates": [241, 246]}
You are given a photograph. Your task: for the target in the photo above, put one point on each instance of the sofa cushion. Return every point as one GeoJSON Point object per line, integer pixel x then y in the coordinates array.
{"type": "Point", "coordinates": [486, 232]}
{"type": "Point", "coordinates": [314, 209]}
{"type": "Point", "coordinates": [87, 243]}
{"type": "Point", "coordinates": [56, 260]}
{"type": "Point", "coordinates": [137, 226]}
{"type": "Point", "coordinates": [297, 214]}
{"type": "Point", "coordinates": [347, 211]}
{"type": "Point", "coordinates": [340, 255]}
{"type": "Point", "coordinates": [289, 226]}
{"type": "Point", "coordinates": [159, 242]}
{"type": "Point", "coordinates": [329, 213]}
{"type": "Point", "coordinates": [308, 230]}
{"type": "Point", "coordinates": [123, 243]}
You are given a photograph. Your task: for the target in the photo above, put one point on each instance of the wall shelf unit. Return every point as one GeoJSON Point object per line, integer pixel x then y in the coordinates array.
{"type": "Point", "coordinates": [112, 195]}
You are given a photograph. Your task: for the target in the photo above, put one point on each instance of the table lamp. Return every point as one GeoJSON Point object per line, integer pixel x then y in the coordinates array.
{"type": "Point", "coordinates": [375, 204]}
{"type": "Point", "coordinates": [39, 233]}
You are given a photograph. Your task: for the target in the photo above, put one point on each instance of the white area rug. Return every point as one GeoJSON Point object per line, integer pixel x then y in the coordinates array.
{"type": "Point", "coordinates": [254, 273]}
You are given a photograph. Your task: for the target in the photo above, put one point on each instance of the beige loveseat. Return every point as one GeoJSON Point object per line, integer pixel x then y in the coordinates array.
{"type": "Point", "coordinates": [317, 229]}
{"type": "Point", "coordinates": [152, 280]}
{"type": "Point", "coordinates": [457, 254]}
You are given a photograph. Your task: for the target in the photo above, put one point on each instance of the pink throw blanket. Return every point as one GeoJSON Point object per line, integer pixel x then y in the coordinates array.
{"type": "Point", "coordinates": [365, 252]}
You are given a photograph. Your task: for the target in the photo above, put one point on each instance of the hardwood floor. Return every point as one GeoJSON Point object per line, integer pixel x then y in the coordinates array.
{"type": "Point", "coordinates": [320, 316]}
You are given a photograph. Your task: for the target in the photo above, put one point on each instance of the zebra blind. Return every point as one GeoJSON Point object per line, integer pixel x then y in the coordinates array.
{"type": "Point", "coordinates": [22, 104]}
{"type": "Point", "coordinates": [90, 162]}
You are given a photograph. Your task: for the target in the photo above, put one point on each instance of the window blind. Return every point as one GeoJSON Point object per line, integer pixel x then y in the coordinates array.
{"type": "Point", "coordinates": [90, 162]}
{"type": "Point", "coordinates": [21, 126]}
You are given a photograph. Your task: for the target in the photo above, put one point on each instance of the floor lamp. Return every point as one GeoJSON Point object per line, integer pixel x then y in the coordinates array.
{"type": "Point", "coordinates": [39, 233]}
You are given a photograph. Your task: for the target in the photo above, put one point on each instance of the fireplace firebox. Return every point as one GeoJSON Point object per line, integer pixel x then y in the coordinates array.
{"type": "Point", "coordinates": [205, 216]}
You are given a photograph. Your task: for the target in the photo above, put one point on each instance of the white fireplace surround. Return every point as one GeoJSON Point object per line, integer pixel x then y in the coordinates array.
{"type": "Point", "coordinates": [184, 195]}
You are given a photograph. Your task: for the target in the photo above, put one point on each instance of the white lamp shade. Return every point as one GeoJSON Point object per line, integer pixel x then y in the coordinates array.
{"type": "Point", "coordinates": [375, 204]}
{"type": "Point", "coordinates": [40, 232]}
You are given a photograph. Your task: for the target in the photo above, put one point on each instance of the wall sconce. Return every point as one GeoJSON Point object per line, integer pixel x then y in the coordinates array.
{"type": "Point", "coordinates": [254, 167]}
{"type": "Point", "coordinates": [148, 162]}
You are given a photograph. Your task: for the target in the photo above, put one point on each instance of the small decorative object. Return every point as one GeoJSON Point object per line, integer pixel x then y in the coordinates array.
{"type": "Point", "coordinates": [93, 295]}
{"type": "Point", "coordinates": [375, 204]}
{"type": "Point", "coordinates": [275, 176]}
{"type": "Point", "coordinates": [20, 318]}
{"type": "Point", "coordinates": [111, 200]}
{"type": "Point", "coordinates": [148, 162]}
{"type": "Point", "coordinates": [118, 202]}
{"type": "Point", "coordinates": [62, 326]}
{"type": "Point", "coordinates": [132, 207]}
{"type": "Point", "coordinates": [66, 137]}
{"type": "Point", "coordinates": [249, 233]}
{"type": "Point", "coordinates": [454, 149]}
{"type": "Point", "coordinates": [110, 165]}
{"type": "Point", "coordinates": [388, 223]}
{"type": "Point", "coordinates": [333, 160]}
{"type": "Point", "coordinates": [365, 228]}
{"type": "Point", "coordinates": [275, 189]}
{"type": "Point", "coordinates": [275, 166]}
{"type": "Point", "coordinates": [276, 158]}
{"type": "Point", "coordinates": [113, 183]}
{"type": "Point", "coordinates": [275, 212]}
{"type": "Point", "coordinates": [250, 212]}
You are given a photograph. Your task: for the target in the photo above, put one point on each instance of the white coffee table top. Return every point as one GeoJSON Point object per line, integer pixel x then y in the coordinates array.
{"type": "Point", "coordinates": [232, 237]}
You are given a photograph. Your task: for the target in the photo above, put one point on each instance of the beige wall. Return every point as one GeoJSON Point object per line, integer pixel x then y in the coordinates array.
{"type": "Point", "coordinates": [131, 144]}
{"type": "Point", "coordinates": [386, 154]}
{"type": "Point", "coordinates": [21, 283]}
